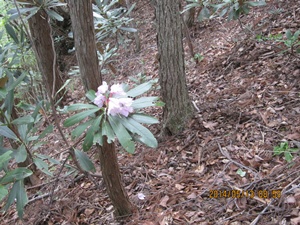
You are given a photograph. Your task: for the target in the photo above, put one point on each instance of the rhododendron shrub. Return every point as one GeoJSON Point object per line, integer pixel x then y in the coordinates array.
{"type": "Point", "coordinates": [115, 113]}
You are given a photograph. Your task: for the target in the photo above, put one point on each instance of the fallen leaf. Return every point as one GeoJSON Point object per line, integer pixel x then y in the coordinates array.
{"type": "Point", "coordinates": [210, 125]}
{"type": "Point", "coordinates": [164, 200]}
{"type": "Point", "coordinates": [295, 221]}
{"type": "Point", "coordinates": [179, 187]}
{"type": "Point", "coordinates": [192, 196]}
{"type": "Point", "coordinates": [200, 168]}
{"type": "Point", "coordinates": [89, 212]}
{"type": "Point", "coordinates": [290, 200]}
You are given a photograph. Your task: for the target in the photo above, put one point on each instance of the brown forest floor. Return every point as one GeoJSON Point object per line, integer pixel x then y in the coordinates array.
{"type": "Point", "coordinates": [247, 96]}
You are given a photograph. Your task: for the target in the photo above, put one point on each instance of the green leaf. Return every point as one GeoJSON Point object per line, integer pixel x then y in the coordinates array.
{"type": "Point", "coordinates": [19, 194]}
{"type": "Point", "coordinates": [20, 154]}
{"type": "Point", "coordinates": [294, 150]}
{"type": "Point", "coordinates": [6, 132]}
{"type": "Point", "coordinates": [81, 128]}
{"type": "Point", "coordinates": [134, 127]}
{"type": "Point", "coordinates": [25, 106]}
{"type": "Point", "coordinates": [142, 118]}
{"type": "Point", "coordinates": [16, 82]}
{"type": "Point", "coordinates": [107, 131]}
{"type": "Point", "coordinates": [3, 93]}
{"type": "Point", "coordinates": [91, 95]}
{"type": "Point", "coordinates": [11, 32]}
{"type": "Point", "coordinates": [288, 156]}
{"type": "Point", "coordinates": [140, 89]}
{"type": "Point", "coordinates": [288, 34]}
{"type": "Point", "coordinates": [98, 138]}
{"type": "Point", "coordinates": [62, 87]}
{"type": "Point", "coordinates": [231, 14]}
{"type": "Point", "coordinates": [14, 14]}
{"type": "Point", "coordinates": [128, 29]}
{"type": "Point", "coordinates": [88, 140]}
{"type": "Point", "coordinates": [48, 130]}
{"type": "Point", "coordinates": [3, 192]}
{"type": "Point", "coordinates": [80, 106]}
{"type": "Point", "coordinates": [204, 14]}
{"type": "Point", "coordinates": [79, 117]}
{"type": "Point", "coordinates": [23, 120]}
{"type": "Point", "coordinates": [4, 158]}
{"type": "Point", "coordinates": [43, 166]}
{"type": "Point", "coordinates": [278, 150]}
{"type": "Point", "coordinates": [84, 161]}
{"type": "Point", "coordinates": [241, 172]}
{"type": "Point", "coordinates": [258, 3]}
{"type": "Point", "coordinates": [144, 102]}
{"type": "Point", "coordinates": [122, 134]}
{"type": "Point", "coordinates": [23, 131]}
{"type": "Point", "coordinates": [47, 157]}
{"type": "Point", "coordinates": [16, 174]}
{"type": "Point", "coordinates": [52, 14]}
{"type": "Point", "coordinates": [21, 197]}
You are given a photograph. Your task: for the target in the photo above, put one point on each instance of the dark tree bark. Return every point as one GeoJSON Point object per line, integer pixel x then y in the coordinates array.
{"type": "Point", "coordinates": [85, 46]}
{"type": "Point", "coordinates": [112, 179]}
{"type": "Point", "coordinates": [85, 43]}
{"type": "Point", "coordinates": [178, 108]}
{"type": "Point", "coordinates": [43, 46]}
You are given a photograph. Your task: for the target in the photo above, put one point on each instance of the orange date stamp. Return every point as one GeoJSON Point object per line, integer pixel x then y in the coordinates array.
{"type": "Point", "coordinates": [263, 194]}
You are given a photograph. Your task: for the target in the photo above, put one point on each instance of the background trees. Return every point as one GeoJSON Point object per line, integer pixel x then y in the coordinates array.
{"type": "Point", "coordinates": [178, 109]}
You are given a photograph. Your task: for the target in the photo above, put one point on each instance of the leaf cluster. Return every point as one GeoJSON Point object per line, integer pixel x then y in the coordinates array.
{"type": "Point", "coordinates": [126, 129]}
{"type": "Point", "coordinates": [232, 8]}
{"type": "Point", "coordinates": [283, 148]}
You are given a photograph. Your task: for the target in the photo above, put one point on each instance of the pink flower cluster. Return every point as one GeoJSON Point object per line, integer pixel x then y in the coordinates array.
{"type": "Point", "coordinates": [115, 100]}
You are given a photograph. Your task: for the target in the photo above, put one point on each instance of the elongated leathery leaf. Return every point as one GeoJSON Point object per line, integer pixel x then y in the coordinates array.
{"type": "Point", "coordinates": [19, 194]}
{"type": "Point", "coordinates": [79, 117]}
{"type": "Point", "coordinates": [144, 102]}
{"type": "Point", "coordinates": [23, 120]}
{"type": "Point", "coordinates": [43, 166]}
{"type": "Point", "coordinates": [16, 174]}
{"type": "Point", "coordinates": [140, 89]}
{"type": "Point", "coordinates": [107, 131]}
{"type": "Point", "coordinates": [84, 161]}
{"type": "Point", "coordinates": [5, 157]}
{"type": "Point", "coordinates": [80, 106]}
{"type": "Point", "coordinates": [146, 136]}
{"type": "Point", "coordinates": [6, 132]}
{"type": "Point", "coordinates": [89, 138]}
{"type": "Point", "coordinates": [3, 192]}
{"type": "Point", "coordinates": [81, 128]}
{"type": "Point", "coordinates": [143, 118]}
{"type": "Point", "coordinates": [122, 134]}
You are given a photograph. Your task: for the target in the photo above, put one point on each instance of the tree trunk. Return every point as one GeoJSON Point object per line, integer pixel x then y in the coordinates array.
{"type": "Point", "coordinates": [85, 43]}
{"type": "Point", "coordinates": [85, 46]}
{"type": "Point", "coordinates": [112, 179]}
{"type": "Point", "coordinates": [43, 46]}
{"type": "Point", "coordinates": [178, 108]}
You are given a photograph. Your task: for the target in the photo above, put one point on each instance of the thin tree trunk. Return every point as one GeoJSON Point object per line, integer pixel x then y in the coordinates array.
{"type": "Point", "coordinates": [178, 108]}
{"type": "Point", "coordinates": [115, 189]}
{"type": "Point", "coordinates": [85, 46]}
{"type": "Point", "coordinates": [43, 46]}
{"type": "Point", "coordinates": [85, 42]}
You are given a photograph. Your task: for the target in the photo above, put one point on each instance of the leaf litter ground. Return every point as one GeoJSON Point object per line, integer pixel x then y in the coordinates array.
{"type": "Point", "coordinates": [221, 169]}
